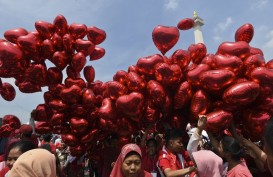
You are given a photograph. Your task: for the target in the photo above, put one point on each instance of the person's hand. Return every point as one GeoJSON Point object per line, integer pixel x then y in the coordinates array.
{"type": "Point", "coordinates": [202, 122]}
{"type": "Point", "coordinates": [250, 152]}
{"type": "Point", "coordinates": [247, 143]}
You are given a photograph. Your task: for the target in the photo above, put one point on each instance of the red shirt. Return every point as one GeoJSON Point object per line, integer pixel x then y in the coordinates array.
{"type": "Point", "coordinates": [148, 162]}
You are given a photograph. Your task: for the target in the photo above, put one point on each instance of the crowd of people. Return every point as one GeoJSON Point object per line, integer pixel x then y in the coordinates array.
{"type": "Point", "coordinates": [150, 154]}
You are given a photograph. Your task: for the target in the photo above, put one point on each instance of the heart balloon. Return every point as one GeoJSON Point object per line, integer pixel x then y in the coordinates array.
{"type": "Point", "coordinates": [68, 43]}
{"type": "Point", "coordinates": [77, 31]}
{"type": "Point", "coordinates": [57, 119]}
{"type": "Point", "coordinates": [7, 92]}
{"type": "Point", "coordinates": [40, 113]}
{"type": "Point", "coordinates": [58, 105]}
{"type": "Point", "coordinates": [71, 73]}
{"type": "Point", "coordinates": [96, 35]}
{"type": "Point", "coordinates": [231, 63]}
{"type": "Point", "coordinates": [42, 128]}
{"type": "Point", "coordinates": [60, 59]}
{"type": "Point", "coordinates": [165, 37]}
{"type": "Point", "coordinates": [89, 73]}
{"type": "Point", "coordinates": [183, 95]}
{"type": "Point", "coordinates": [168, 74]}
{"type": "Point", "coordinates": [90, 137]}
{"type": "Point", "coordinates": [54, 75]}
{"type": "Point", "coordinates": [9, 53]}
{"type": "Point", "coordinates": [254, 51]}
{"type": "Point", "coordinates": [219, 120]}
{"type": "Point", "coordinates": [130, 105]}
{"type": "Point", "coordinates": [60, 25]}
{"type": "Point", "coordinates": [156, 94]}
{"type": "Point", "coordinates": [241, 93]}
{"type": "Point", "coordinates": [197, 52]}
{"type": "Point", "coordinates": [181, 57]}
{"type": "Point", "coordinates": [240, 49]}
{"type": "Point", "coordinates": [199, 104]}
{"type": "Point", "coordinates": [193, 75]}
{"type": "Point", "coordinates": [36, 73]}
{"type": "Point", "coordinates": [13, 34]}
{"type": "Point", "coordinates": [120, 77]}
{"type": "Point", "coordinates": [107, 111]}
{"type": "Point", "coordinates": [114, 89]}
{"type": "Point", "coordinates": [244, 33]}
{"type": "Point", "coordinates": [29, 44]}
{"type": "Point", "coordinates": [269, 64]}
{"type": "Point", "coordinates": [78, 124]}
{"type": "Point", "coordinates": [11, 120]}
{"type": "Point", "coordinates": [185, 24]}
{"type": "Point", "coordinates": [135, 82]}
{"type": "Point", "coordinates": [253, 61]}
{"type": "Point", "coordinates": [45, 29]}
{"type": "Point", "coordinates": [84, 46]}
{"type": "Point", "coordinates": [216, 80]}
{"type": "Point", "coordinates": [146, 64]}
{"type": "Point", "coordinates": [29, 87]}
{"type": "Point", "coordinates": [71, 94]}
{"type": "Point", "coordinates": [262, 75]}
{"type": "Point", "coordinates": [78, 61]}
{"type": "Point", "coordinates": [47, 49]}
{"type": "Point", "coordinates": [88, 98]}
{"type": "Point", "coordinates": [97, 53]}
{"type": "Point", "coordinates": [209, 60]}
{"type": "Point", "coordinates": [70, 140]}
{"type": "Point", "coordinates": [57, 41]}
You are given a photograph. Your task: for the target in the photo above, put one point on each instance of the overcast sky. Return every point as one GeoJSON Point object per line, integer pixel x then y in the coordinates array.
{"type": "Point", "coordinates": [129, 25]}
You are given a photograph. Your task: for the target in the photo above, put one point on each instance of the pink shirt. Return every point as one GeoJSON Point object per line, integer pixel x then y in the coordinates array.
{"type": "Point", "coordinates": [239, 170]}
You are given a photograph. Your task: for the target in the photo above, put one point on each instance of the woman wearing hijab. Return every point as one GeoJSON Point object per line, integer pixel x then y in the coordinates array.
{"type": "Point", "coordinates": [128, 163]}
{"type": "Point", "coordinates": [33, 163]}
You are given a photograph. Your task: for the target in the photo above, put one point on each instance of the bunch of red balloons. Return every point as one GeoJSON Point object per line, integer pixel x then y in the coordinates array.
{"type": "Point", "coordinates": [232, 85]}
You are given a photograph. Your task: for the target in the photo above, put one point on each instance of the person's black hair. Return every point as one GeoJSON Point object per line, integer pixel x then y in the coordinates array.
{"type": "Point", "coordinates": [22, 145]}
{"type": "Point", "coordinates": [268, 134]}
{"type": "Point", "coordinates": [132, 153]}
{"type": "Point", "coordinates": [232, 146]}
{"type": "Point", "coordinates": [172, 134]}
{"type": "Point", "coordinates": [47, 137]}
{"type": "Point", "coordinates": [46, 147]}
{"type": "Point", "coordinates": [151, 140]}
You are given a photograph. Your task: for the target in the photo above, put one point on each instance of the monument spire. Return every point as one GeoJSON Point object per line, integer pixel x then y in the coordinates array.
{"type": "Point", "coordinates": [198, 22]}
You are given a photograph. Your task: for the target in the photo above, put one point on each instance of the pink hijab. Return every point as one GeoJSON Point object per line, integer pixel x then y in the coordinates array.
{"type": "Point", "coordinates": [126, 149]}
{"type": "Point", "coordinates": [34, 163]}
{"type": "Point", "coordinates": [208, 163]}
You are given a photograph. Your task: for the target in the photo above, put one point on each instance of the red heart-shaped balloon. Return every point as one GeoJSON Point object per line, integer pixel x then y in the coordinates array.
{"type": "Point", "coordinates": [120, 77]}
{"type": "Point", "coordinates": [29, 44]}
{"type": "Point", "coordinates": [77, 31]}
{"type": "Point", "coordinates": [146, 64]}
{"type": "Point", "coordinates": [244, 33]}
{"type": "Point", "coordinates": [29, 87]}
{"type": "Point", "coordinates": [253, 61]}
{"type": "Point", "coordinates": [269, 64]}
{"type": "Point", "coordinates": [9, 54]}
{"type": "Point", "coordinates": [78, 61]}
{"type": "Point", "coordinates": [78, 124]}
{"type": "Point", "coordinates": [57, 41]}
{"type": "Point", "coordinates": [40, 113]}
{"type": "Point", "coordinates": [42, 128]}
{"type": "Point", "coordinates": [96, 35]}
{"type": "Point", "coordinates": [181, 57]}
{"type": "Point", "coordinates": [168, 74]}
{"type": "Point", "coordinates": [183, 95]}
{"type": "Point", "coordinates": [90, 137]}
{"type": "Point", "coordinates": [60, 59]}
{"type": "Point", "coordinates": [68, 43]}
{"type": "Point", "coordinates": [7, 92]}
{"type": "Point", "coordinates": [79, 82]}
{"type": "Point", "coordinates": [11, 120]}
{"type": "Point", "coordinates": [135, 82]}
{"type": "Point", "coordinates": [36, 73]}
{"type": "Point", "coordinates": [84, 46]}
{"type": "Point", "coordinates": [71, 94]}
{"type": "Point", "coordinates": [156, 94]}
{"type": "Point", "coordinates": [219, 120]}
{"type": "Point", "coordinates": [89, 73]}
{"type": "Point", "coordinates": [57, 119]}
{"type": "Point", "coordinates": [254, 51]}
{"type": "Point", "coordinates": [47, 49]}
{"type": "Point", "coordinates": [107, 111]}
{"type": "Point", "coordinates": [88, 98]}
{"type": "Point", "coordinates": [54, 75]}
{"type": "Point", "coordinates": [199, 104]}
{"type": "Point", "coordinates": [13, 34]}
{"type": "Point", "coordinates": [185, 24]}
{"type": "Point", "coordinates": [193, 75]}
{"type": "Point", "coordinates": [231, 63]}
{"type": "Point", "coordinates": [165, 37]}
{"type": "Point", "coordinates": [130, 105]}
{"type": "Point", "coordinates": [97, 53]}
{"type": "Point", "coordinates": [240, 49]}
{"type": "Point", "coordinates": [45, 29]}
{"type": "Point", "coordinates": [241, 93]}
{"type": "Point", "coordinates": [70, 140]}
{"type": "Point", "coordinates": [197, 52]}
{"type": "Point", "coordinates": [262, 76]}
{"type": "Point", "coordinates": [58, 105]}
{"type": "Point", "coordinates": [60, 25]}
{"type": "Point", "coordinates": [114, 89]}
{"type": "Point", "coordinates": [71, 73]}
{"type": "Point", "coordinates": [216, 80]}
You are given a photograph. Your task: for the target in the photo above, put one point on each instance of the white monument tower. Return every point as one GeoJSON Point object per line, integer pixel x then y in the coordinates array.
{"type": "Point", "coordinates": [198, 22]}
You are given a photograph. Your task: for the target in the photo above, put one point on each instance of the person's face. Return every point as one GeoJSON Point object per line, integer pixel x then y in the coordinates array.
{"type": "Point", "coordinates": [151, 148]}
{"type": "Point", "coordinates": [13, 156]}
{"type": "Point", "coordinates": [176, 145]}
{"type": "Point", "coordinates": [131, 166]}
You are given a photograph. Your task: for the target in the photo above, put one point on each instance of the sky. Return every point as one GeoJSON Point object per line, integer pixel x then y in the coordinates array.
{"type": "Point", "coordinates": [129, 25]}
